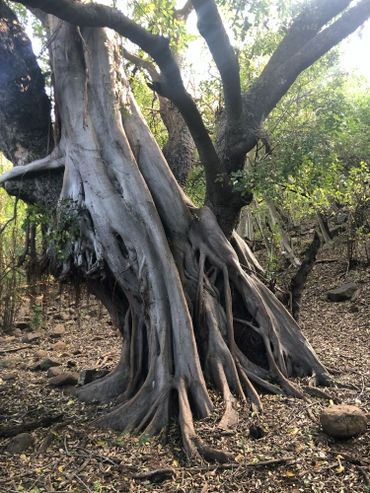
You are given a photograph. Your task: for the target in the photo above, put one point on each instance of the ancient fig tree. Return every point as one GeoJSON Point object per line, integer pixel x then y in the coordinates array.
{"type": "Point", "coordinates": [178, 281]}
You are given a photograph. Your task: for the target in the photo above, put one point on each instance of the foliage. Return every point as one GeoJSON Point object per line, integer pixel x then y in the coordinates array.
{"type": "Point", "coordinates": [12, 213]}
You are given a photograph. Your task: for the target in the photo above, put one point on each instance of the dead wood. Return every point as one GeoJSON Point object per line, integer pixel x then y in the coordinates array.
{"type": "Point", "coordinates": [44, 422]}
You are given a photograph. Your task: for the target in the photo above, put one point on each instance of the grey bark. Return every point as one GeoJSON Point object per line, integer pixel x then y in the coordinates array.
{"type": "Point", "coordinates": [188, 302]}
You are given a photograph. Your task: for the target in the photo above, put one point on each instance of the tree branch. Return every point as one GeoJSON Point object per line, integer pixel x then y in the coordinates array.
{"type": "Point", "coordinates": [277, 78]}
{"type": "Point", "coordinates": [145, 64]}
{"type": "Point", "coordinates": [184, 12]}
{"type": "Point", "coordinates": [213, 31]}
{"type": "Point", "coordinates": [46, 164]}
{"type": "Point", "coordinates": [171, 84]}
{"type": "Point", "coordinates": [304, 27]}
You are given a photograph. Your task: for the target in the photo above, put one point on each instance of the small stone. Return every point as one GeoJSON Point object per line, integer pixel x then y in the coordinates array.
{"type": "Point", "coordinates": [68, 378]}
{"type": "Point", "coordinates": [57, 331]}
{"type": "Point", "coordinates": [31, 338]}
{"type": "Point", "coordinates": [41, 353]}
{"type": "Point", "coordinates": [343, 421]}
{"type": "Point", "coordinates": [256, 432]}
{"type": "Point", "coordinates": [61, 316]}
{"type": "Point", "coordinates": [344, 292]}
{"type": "Point", "coordinates": [54, 371]}
{"type": "Point", "coordinates": [11, 362]}
{"type": "Point", "coordinates": [8, 377]}
{"type": "Point", "coordinates": [59, 346]}
{"type": "Point", "coordinates": [17, 332]}
{"type": "Point", "coordinates": [20, 443]}
{"type": "Point", "coordinates": [44, 364]}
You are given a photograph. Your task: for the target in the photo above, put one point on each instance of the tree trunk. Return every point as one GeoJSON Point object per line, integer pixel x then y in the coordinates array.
{"type": "Point", "coordinates": [179, 149]}
{"type": "Point", "coordinates": [25, 123]}
{"type": "Point", "coordinates": [190, 307]}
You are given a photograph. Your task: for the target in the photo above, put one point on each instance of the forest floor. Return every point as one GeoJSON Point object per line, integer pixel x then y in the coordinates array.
{"type": "Point", "coordinates": [72, 455]}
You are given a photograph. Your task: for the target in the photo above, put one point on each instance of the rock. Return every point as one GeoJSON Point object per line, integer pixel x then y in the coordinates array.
{"type": "Point", "coordinates": [343, 421]}
{"type": "Point", "coordinates": [57, 331]}
{"type": "Point", "coordinates": [54, 371]}
{"type": "Point", "coordinates": [31, 338]}
{"type": "Point", "coordinates": [5, 363]}
{"type": "Point", "coordinates": [23, 325]}
{"type": "Point", "coordinates": [88, 376]}
{"type": "Point", "coordinates": [17, 332]}
{"type": "Point", "coordinates": [342, 293]}
{"type": "Point", "coordinates": [61, 316]}
{"type": "Point", "coordinates": [20, 443]}
{"type": "Point", "coordinates": [353, 309]}
{"type": "Point", "coordinates": [256, 432]}
{"type": "Point", "coordinates": [59, 346]}
{"type": "Point", "coordinates": [41, 353]}
{"type": "Point", "coordinates": [68, 378]}
{"type": "Point", "coordinates": [11, 363]}
{"type": "Point", "coordinates": [44, 364]}
{"type": "Point", "coordinates": [8, 377]}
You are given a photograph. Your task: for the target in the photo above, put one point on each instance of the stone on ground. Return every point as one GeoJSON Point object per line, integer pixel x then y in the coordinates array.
{"type": "Point", "coordinates": [64, 379]}
{"type": "Point", "coordinates": [57, 331]}
{"type": "Point", "coordinates": [44, 364]}
{"type": "Point", "coordinates": [344, 292]}
{"type": "Point", "coordinates": [54, 371]}
{"type": "Point", "coordinates": [31, 338]}
{"type": "Point", "coordinates": [343, 421]}
{"type": "Point", "coordinates": [20, 443]}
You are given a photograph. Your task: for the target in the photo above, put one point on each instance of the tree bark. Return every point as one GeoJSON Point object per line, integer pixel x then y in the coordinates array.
{"type": "Point", "coordinates": [190, 307]}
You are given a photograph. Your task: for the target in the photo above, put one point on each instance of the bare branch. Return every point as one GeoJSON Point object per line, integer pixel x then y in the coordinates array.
{"type": "Point", "coordinates": [211, 27]}
{"type": "Point", "coordinates": [171, 84]}
{"type": "Point", "coordinates": [145, 64]}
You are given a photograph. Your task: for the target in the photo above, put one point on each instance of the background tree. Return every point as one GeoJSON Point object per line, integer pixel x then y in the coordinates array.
{"type": "Point", "coordinates": [180, 284]}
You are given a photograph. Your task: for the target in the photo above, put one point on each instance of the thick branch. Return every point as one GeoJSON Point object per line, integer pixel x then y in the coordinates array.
{"type": "Point", "coordinates": [212, 29]}
{"type": "Point", "coordinates": [305, 27]}
{"type": "Point", "coordinates": [36, 167]}
{"type": "Point", "coordinates": [275, 81]}
{"type": "Point", "coordinates": [171, 85]}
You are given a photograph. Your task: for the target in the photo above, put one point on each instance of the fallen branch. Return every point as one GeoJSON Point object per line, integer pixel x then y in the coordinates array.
{"type": "Point", "coordinates": [157, 475]}
{"type": "Point", "coordinates": [271, 463]}
{"type": "Point", "coordinates": [315, 392]}
{"type": "Point", "coordinates": [15, 349]}
{"type": "Point", "coordinates": [44, 422]}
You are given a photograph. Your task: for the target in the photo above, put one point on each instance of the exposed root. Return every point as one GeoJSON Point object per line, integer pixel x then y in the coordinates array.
{"type": "Point", "coordinates": [231, 415]}
{"type": "Point", "coordinates": [193, 445]}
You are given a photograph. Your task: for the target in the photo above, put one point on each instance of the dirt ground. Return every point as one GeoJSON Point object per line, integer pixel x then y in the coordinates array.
{"type": "Point", "coordinates": [72, 455]}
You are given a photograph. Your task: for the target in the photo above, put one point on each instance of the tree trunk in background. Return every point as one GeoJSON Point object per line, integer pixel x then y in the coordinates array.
{"type": "Point", "coordinates": [25, 124]}
{"type": "Point", "coordinates": [179, 149]}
